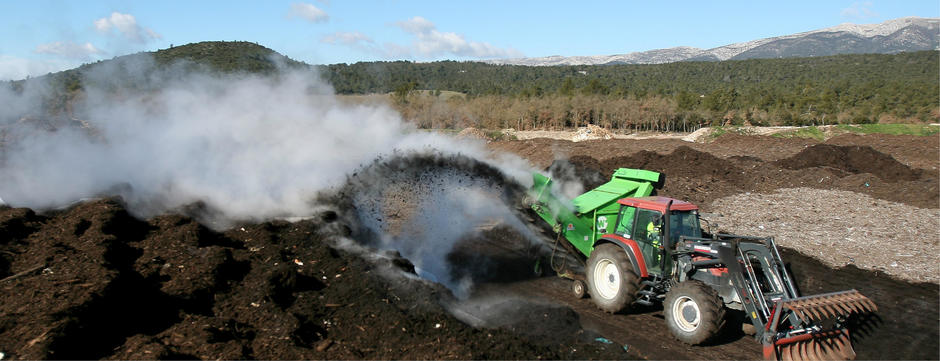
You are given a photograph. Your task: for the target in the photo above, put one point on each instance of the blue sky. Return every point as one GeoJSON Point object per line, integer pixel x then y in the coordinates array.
{"type": "Point", "coordinates": [43, 35]}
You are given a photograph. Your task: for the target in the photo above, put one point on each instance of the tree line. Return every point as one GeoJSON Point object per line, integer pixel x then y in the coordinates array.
{"type": "Point", "coordinates": [862, 88]}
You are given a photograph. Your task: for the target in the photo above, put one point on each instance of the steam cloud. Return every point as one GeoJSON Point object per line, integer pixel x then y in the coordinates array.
{"type": "Point", "coordinates": [248, 147]}
{"type": "Point", "coordinates": [252, 147]}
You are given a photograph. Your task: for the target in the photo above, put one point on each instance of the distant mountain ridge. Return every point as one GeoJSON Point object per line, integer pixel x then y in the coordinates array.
{"type": "Point", "coordinates": [892, 36]}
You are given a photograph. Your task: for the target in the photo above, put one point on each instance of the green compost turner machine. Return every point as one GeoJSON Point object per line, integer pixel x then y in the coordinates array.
{"type": "Point", "coordinates": [629, 247]}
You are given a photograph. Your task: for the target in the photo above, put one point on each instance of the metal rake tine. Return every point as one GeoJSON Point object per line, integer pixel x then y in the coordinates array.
{"type": "Point", "coordinates": [833, 311]}
{"type": "Point", "coordinates": [784, 351]}
{"type": "Point", "coordinates": [794, 352]}
{"type": "Point", "coordinates": [840, 346]}
{"type": "Point", "coordinates": [808, 350]}
{"type": "Point", "coordinates": [866, 303]}
{"type": "Point", "coordinates": [849, 306]}
{"type": "Point", "coordinates": [827, 349]}
{"type": "Point", "coordinates": [860, 306]}
{"type": "Point", "coordinates": [819, 311]}
{"type": "Point", "coordinates": [847, 350]}
{"type": "Point", "coordinates": [803, 354]}
{"type": "Point", "coordinates": [817, 308]}
{"type": "Point", "coordinates": [844, 308]}
{"type": "Point", "coordinates": [810, 311]}
{"type": "Point", "coordinates": [856, 306]}
{"type": "Point", "coordinates": [838, 304]}
{"type": "Point", "coordinates": [797, 309]}
{"type": "Point", "coordinates": [818, 352]}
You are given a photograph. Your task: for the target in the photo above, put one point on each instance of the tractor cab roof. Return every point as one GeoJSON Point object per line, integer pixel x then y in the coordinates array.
{"type": "Point", "coordinates": [658, 203]}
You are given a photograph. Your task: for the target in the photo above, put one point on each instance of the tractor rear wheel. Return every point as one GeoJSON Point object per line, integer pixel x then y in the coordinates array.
{"type": "Point", "coordinates": [694, 312]}
{"type": "Point", "coordinates": [611, 279]}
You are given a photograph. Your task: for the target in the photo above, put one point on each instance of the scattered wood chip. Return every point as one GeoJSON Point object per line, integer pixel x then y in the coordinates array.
{"type": "Point", "coordinates": [323, 345]}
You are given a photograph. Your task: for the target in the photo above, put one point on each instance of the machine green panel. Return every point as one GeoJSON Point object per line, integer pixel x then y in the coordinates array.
{"type": "Point", "coordinates": [580, 220]}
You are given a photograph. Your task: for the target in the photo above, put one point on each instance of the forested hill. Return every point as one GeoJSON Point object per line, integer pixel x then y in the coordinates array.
{"type": "Point", "coordinates": [149, 70]}
{"type": "Point", "coordinates": [135, 70]}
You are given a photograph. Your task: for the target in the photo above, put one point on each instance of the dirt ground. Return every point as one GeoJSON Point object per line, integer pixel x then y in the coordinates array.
{"type": "Point", "coordinates": [94, 282]}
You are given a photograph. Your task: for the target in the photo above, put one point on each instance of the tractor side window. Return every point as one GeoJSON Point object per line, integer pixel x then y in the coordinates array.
{"type": "Point", "coordinates": [647, 235]}
{"type": "Point", "coordinates": [647, 230]}
{"type": "Point", "coordinates": [625, 227]}
{"type": "Point", "coordinates": [683, 223]}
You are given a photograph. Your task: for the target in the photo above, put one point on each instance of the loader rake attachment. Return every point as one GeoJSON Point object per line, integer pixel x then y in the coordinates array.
{"type": "Point", "coordinates": [833, 345]}
{"type": "Point", "coordinates": [805, 337]}
{"type": "Point", "coordinates": [831, 305]}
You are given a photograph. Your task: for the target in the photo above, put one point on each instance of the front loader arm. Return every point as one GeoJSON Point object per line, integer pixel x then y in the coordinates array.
{"type": "Point", "coordinates": [790, 327]}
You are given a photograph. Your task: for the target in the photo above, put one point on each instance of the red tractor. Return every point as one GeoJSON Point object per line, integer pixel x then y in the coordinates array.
{"type": "Point", "coordinates": [648, 250]}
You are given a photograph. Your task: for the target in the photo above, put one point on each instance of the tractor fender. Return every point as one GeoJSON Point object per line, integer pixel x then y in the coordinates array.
{"type": "Point", "coordinates": [630, 248]}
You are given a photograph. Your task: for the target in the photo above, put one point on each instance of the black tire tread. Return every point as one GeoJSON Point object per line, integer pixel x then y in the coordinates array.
{"type": "Point", "coordinates": [630, 282]}
{"type": "Point", "coordinates": [712, 310]}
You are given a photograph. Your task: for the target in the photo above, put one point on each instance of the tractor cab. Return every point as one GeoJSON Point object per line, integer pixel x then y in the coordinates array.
{"type": "Point", "coordinates": [645, 220]}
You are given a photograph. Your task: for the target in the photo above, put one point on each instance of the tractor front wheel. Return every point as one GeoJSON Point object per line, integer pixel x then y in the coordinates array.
{"type": "Point", "coordinates": [694, 312]}
{"type": "Point", "coordinates": [611, 280]}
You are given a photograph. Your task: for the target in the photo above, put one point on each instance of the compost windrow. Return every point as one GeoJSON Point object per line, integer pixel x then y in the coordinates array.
{"type": "Point", "coordinates": [701, 177]}
{"type": "Point", "coordinates": [93, 282]}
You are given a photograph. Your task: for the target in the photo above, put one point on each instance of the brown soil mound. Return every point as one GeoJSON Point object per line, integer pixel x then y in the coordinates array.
{"type": "Point", "coordinates": [701, 177]}
{"type": "Point", "coordinates": [689, 174]}
{"type": "Point", "coordinates": [93, 282]}
{"type": "Point", "coordinates": [915, 151]}
{"type": "Point", "coordinates": [851, 159]}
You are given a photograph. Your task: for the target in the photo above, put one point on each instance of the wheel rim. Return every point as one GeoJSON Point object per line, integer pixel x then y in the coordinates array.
{"type": "Point", "coordinates": [686, 314]}
{"type": "Point", "coordinates": [606, 279]}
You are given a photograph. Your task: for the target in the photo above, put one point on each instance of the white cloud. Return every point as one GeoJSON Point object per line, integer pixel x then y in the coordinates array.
{"type": "Point", "coordinates": [70, 50]}
{"type": "Point", "coordinates": [429, 43]}
{"type": "Point", "coordinates": [859, 10]}
{"type": "Point", "coordinates": [307, 12]}
{"type": "Point", "coordinates": [14, 68]}
{"type": "Point", "coordinates": [126, 25]}
{"type": "Point", "coordinates": [346, 38]}
{"type": "Point", "coordinates": [416, 25]}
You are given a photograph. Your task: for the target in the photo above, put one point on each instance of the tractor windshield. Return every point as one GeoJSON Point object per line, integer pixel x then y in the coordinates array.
{"type": "Point", "coordinates": [683, 223]}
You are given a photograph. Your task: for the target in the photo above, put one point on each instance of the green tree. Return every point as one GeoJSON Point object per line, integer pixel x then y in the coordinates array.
{"type": "Point", "coordinates": [594, 87]}
{"type": "Point", "coordinates": [403, 90]}
{"type": "Point", "coordinates": [567, 87]}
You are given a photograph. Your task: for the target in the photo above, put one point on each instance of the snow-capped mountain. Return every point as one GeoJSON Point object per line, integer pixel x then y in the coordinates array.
{"type": "Point", "coordinates": [892, 36]}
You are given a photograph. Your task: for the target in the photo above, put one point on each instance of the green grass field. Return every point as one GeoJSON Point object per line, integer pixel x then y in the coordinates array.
{"type": "Point", "coordinates": [893, 129]}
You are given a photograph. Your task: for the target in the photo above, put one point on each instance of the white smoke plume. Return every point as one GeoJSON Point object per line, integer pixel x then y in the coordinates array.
{"type": "Point", "coordinates": [252, 147]}
{"type": "Point", "coordinates": [247, 147]}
